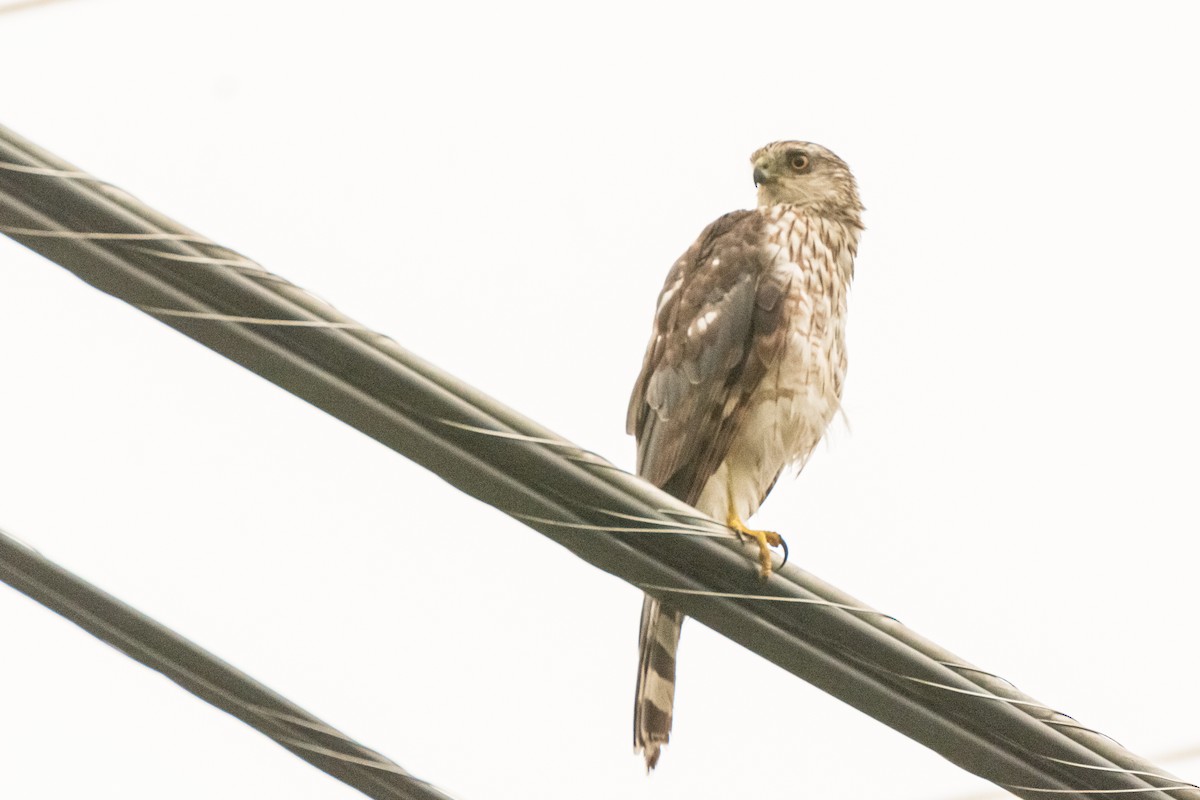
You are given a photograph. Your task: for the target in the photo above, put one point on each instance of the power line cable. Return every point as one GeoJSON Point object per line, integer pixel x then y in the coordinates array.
{"type": "Point", "coordinates": [206, 676]}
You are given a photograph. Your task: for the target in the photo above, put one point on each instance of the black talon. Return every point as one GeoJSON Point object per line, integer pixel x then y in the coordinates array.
{"type": "Point", "coordinates": [783, 544]}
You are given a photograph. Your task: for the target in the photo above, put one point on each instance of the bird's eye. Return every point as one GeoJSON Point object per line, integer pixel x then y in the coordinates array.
{"type": "Point", "coordinates": [798, 161]}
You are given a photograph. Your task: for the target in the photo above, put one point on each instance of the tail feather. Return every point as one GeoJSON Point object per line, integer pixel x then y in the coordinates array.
{"type": "Point", "coordinates": [658, 641]}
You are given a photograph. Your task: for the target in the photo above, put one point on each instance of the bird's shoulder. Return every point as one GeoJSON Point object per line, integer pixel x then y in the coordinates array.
{"type": "Point", "coordinates": [728, 250]}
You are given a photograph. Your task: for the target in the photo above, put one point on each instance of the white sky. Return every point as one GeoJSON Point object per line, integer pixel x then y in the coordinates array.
{"type": "Point", "coordinates": [501, 187]}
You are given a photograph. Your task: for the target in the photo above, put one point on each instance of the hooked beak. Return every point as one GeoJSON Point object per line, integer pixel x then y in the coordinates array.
{"type": "Point", "coordinates": [760, 173]}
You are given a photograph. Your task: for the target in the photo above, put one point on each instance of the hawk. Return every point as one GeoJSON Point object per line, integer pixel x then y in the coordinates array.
{"type": "Point", "coordinates": [743, 371]}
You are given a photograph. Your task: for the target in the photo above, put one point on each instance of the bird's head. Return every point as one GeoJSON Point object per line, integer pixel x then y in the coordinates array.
{"type": "Point", "coordinates": [807, 174]}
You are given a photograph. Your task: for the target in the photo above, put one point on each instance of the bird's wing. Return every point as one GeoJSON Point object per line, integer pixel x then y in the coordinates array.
{"type": "Point", "coordinates": [721, 322]}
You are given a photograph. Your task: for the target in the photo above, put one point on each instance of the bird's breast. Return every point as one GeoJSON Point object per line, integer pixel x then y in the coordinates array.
{"type": "Point", "coordinates": [800, 392]}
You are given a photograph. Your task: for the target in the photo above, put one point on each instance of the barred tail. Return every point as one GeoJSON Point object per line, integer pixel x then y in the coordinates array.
{"type": "Point", "coordinates": [658, 640]}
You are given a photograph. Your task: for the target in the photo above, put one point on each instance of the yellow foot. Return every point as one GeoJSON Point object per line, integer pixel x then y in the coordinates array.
{"type": "Point", "coordinates": [766, 540]}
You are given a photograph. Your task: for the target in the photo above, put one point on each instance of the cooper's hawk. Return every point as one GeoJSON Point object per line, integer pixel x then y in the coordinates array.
{"type": "Point", "coordinates": [744, 370]}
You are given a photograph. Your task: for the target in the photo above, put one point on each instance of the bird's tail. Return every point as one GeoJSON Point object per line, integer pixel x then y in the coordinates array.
{"type": "Point", "coordinates": [658, 640]}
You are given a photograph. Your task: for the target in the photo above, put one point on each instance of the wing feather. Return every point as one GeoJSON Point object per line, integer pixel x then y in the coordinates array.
{"type": "Point", "coordinates": [720, 323]}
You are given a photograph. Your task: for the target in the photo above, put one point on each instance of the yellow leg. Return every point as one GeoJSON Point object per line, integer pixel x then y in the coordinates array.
{"type": "Point", "coordinates": [766, 540]}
